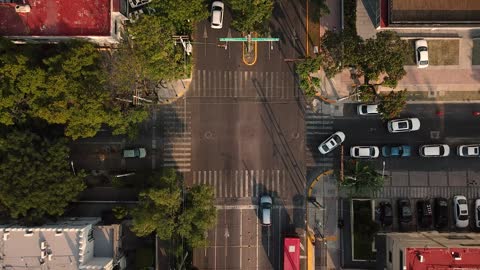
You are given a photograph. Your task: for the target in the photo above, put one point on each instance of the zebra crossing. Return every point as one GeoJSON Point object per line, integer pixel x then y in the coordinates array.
{"type": "Point", "coordinates": [427, 192]}
{"type": "Point", "coordinates": [241, 183]}
{"type": "Point", "coordinates": [317, 128]}
{"type": "Point", "coordinates": [175, 121]}
{"type": "Point", "coordinates": [243, 84]}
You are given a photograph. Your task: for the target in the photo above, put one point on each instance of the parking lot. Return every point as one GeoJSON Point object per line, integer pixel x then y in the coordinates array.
{"type": "Point", "coordinates": [414, 224]}
{"type": "Point", "coordinates": [239, 241]}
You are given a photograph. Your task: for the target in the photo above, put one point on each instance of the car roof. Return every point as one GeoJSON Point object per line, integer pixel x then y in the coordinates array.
{"type": "Point", "coordinates": [364, 150]}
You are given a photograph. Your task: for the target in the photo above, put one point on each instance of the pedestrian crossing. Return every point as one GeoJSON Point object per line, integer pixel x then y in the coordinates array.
{"type": "Point", "coordinates": [177, 137]}
{"type": "Point", "coordinates": [242, 183]}
{"type": "Point", "coordinates": [427, 192]}
{"type": "Point", "coordinates": [243, 84]}
{"type": "Point", "coordinates": [317, 128]}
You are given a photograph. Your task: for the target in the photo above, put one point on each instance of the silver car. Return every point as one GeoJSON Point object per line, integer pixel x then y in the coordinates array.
{"type": "Point", "coordinates": [331, 142]}
{"type": "Point", "coordinates": [266, 209]}
{"type": "Point", "coordinates": [434, 150]}
{"type": "Point", "coordinates": [367, 109]}
{"type": "Point", "coordinates": [364, 152]}
{"type": "Point", "coordinates": [217, 15]}
{"type": "Point", "coordinates": [471, 150]}
{"type": "Point", "coordinates": [460, 209]}
{"type": "Point", "coordinates": [421, 53]}
{"type": "Point", "coordinates": [403, 125]}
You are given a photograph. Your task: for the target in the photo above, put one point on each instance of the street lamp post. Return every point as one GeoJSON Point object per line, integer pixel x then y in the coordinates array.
{"type": "Point", "coordinates": [383, 170]}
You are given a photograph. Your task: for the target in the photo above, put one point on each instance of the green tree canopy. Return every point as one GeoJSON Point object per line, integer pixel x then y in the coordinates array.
{"type": "Point", "coordinates": [361, 178]}
{"type": "Point", "coordinates": [385, 55]}
{"type": "Point", "coordinates": [181, 14]}
{"type": "Point", "coordinates": [35, 176]}
{"type": "Point", "coordinates": [303, 69]}
{"type": "Point", "coordinates": [392, 104]}
{"type": "Point", "coordinates": [251, 15]}
{"type": "Point", "coordinates": [61, 84]}
{"type": "Point", "coordinates": [162, 210]}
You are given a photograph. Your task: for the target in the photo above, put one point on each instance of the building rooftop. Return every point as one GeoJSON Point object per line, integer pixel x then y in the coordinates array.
{"type": "Point", "coordinates": [69, 244]}
{"type": "Point", "coordinates": [442, 258]}
{"type": "Point", "coordinates": [434, 12]}
{"type": "Point", "coordinates": [55, 18]}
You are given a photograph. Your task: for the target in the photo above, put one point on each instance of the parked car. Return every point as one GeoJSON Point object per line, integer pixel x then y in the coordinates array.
{"type": "Point", "coordinates": [460, 209]}
{"type": "Point", "coordinates": [386, 214]}
{"type": "Point", "coordinates": [477, 213]}
{"type": "Point", "coordinates": [441, 213]}
{"type": "Point", "coordinates": [217, 15]}
{"type": "Point", "coordinates": [266, 209]}
{"type": "Point", "coordinates": [367, 109]}
{"type": "Point", "coordinates": [471, 150]}
{"type": "Point", "coordinates": [331, 142]}
{"type": "Point", "coordinates": [404, 211]}
{"type": "Point", "coordinates": [135, 153]}
{"type": "Point", "coordinates": [434, 150]}
{"type": "Point", "coordinates": [364, 152]}
{"type": "Point", "coordinates": [424, 213]}
{"type": "Point", "coordinates": [396, 151]}
{"type": "Point", "coordinates": [403, 125]}
{"type": "Point", "coordinates": [421, 53]}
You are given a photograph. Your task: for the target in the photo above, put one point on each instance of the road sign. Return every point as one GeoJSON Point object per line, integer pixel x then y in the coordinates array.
{"type": "Point", "coordinates": [243, 39]}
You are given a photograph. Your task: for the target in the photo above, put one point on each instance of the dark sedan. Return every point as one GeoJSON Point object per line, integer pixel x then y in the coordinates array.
{"type": "Point", "coordinates": [441, 213]}
{"type": "Point", "coordinates": [404, 211]}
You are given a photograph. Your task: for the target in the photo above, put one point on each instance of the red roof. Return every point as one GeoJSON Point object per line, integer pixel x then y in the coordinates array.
{"type": "Point", "coordinates": [442, 258]}
{"type": "Point", "coordinates": [57, 18]}
{"type": "Point", "coordinates": [291, 253]}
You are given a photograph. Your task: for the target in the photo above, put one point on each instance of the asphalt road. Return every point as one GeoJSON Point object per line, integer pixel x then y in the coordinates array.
{"type": "Point", "coordinates": [457, 126]}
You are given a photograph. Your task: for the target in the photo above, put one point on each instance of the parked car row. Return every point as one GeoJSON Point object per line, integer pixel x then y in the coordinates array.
{"type": "Point", "coordinates": [428, 215]}
{"type": "Point", "coordinates": [429, 150]}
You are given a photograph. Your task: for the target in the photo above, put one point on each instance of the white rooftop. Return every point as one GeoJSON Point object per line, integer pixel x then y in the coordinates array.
{"type": "Point", "coordinates": [69, 244]}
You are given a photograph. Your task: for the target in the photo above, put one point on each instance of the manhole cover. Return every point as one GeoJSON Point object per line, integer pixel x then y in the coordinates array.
{"type": "Point", "coordinates": [208, 135]}
{"type": "Point", "coordinates": [435, 134]}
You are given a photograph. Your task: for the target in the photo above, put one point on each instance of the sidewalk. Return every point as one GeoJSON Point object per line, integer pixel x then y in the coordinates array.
{"type": "Point", "coordinates": [322, 222]}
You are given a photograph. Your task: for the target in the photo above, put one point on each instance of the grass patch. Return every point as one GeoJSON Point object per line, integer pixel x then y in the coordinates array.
{"type": "Point", "coordinates": [362, 242]}
{"type": "Point", "coordinates": [476, 52]}
{"type": "Point", "coordinates": [440, 52]}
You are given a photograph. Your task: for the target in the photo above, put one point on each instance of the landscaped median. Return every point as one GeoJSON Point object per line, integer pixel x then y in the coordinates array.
{"type": "Point", "coordinates": [363, 229]}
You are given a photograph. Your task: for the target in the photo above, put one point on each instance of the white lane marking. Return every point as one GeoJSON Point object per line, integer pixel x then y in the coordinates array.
{"type": "Point", "coordinates": [204, 79]}
{"type": "Point", "coordinates": [220, 190]}
{"type": "Point", "coordinates": [241, 183]}
{"type": "Point", "coordinates": [246, 187]}
{"type": "Point", "coordinates": [215, 184]}
{"type": "Point", "coordinates": [204, 177]}
{"type": "Point", "coordinates": [241, 237]}
{"type": "Point", "coordinates": [236, 185]}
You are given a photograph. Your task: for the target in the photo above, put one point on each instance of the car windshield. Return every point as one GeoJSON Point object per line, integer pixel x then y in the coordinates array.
{"type": "Point", "coordinates": [403, 125]}
{"type": "Point", "coordinates": [463, 217]}
{"type": "Point", "coordinates": [266, 205]}
{"type": "Point", "coordinates": [364, 109]}
{"type": "Point", "coordinates": [422, 49]}
{"type": "Point", "coordinates": [325, 147]}
{"type": "Point", "coordinates": [423, 62]}
{"type": "Point", "coordinates": [337, 139]}
{"type": "Point", "coordinates": [465, 151]}
{"type": "Point", "coordinates": [441, 151]}
{"type": "Point", "coordinates": [217, 8]}
{"type": "Point", "coordinates": [462, 201]}
{"type": "Point", "coordinates": [478, 211]}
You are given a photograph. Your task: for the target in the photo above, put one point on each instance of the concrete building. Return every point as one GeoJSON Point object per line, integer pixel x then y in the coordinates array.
{"type": "Point", "coordinates": [78, 243]}
{"type": "Point", "coordinates": [99, 21]}
{"type": "Point", "coordinates": [423, 13]}
{"type": "Point", "coordinates": [432, 250]}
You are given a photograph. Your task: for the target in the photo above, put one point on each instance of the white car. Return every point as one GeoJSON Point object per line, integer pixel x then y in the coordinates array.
{"type": "Point", "coordinates": [364, 152]}
{"type": "Point", "coordinates": [421, 53]}
{"type": "Point", "coordinates": [434, 150]}
{"type": "Point", "coordinates": [460, 209]}
{"type": "Point", "coordinates": [217, 15]}
{"type": "Point", "coordinates": [332, 142]}
{"type": "Point", "coordinates": [477, 213]}
{"type": "Point", "coordinates": [471, 150]}
{"type": "Point", "coordinates": [403, 125]}
{"type": "Point", "coordinates": [367, 109]}
{"type": "Point", "coordinates": [266, 208]}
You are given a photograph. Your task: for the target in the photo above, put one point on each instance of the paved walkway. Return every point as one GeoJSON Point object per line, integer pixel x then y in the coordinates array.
{"type": "Point", "coordinates": [322, 220]}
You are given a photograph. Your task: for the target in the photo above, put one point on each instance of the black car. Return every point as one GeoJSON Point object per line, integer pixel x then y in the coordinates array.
{"type": "Point", "coordinates": [404, 211]}
{"type": "Point", "coordinates": [424, 213]}
{"type": "Point", "coordinates": [386, 214]}
{"type": "Point", "coordinates": [441, 213]}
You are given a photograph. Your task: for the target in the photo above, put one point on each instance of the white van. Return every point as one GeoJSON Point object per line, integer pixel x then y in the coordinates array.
{"type": "Point", "coordinates": [434, 150]}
